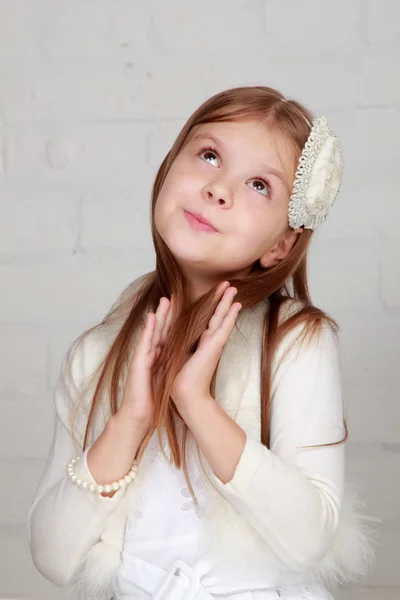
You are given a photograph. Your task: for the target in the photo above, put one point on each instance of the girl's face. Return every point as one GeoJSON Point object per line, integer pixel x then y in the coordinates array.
{"type": "Point", "coordinates": [239, 177]}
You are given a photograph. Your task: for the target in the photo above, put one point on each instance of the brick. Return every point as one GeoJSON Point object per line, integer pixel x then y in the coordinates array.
{"type": "Point", "coordinates": [113, 218]}
{"type": "Point", "coordinates": [67, 289]}
{"type": "Point", "coordinates": [389, 273]}
{"type": "Point", "coordinates": [18, 437]}
{"type": "Point", "coordinates": [343, 264]}
{"type": "Point", "coordinates": [379, 81]}
{"type": "Point", "coordinates": [143, 90]}
{"type": "Point", "coordinates": [295, 79]}
{"type": "Point", "coordinates": [3, 152]}
{"type": "Point", "coordinates": [231, 21]}
{"type": "Point", "coordinates": [47, 217]}
{"type": "Point", "coordinates": [162, 135]}
{"type": "Point", "coordinates": [23, 477]}
{"type": "Point", "coordinates": [23, 362]}
{"type": "Point", "coordinates": [369, 153]}
{"type": "Point", "coordinates": [115, 30]}
{"type": "Point", "coordinates": [78, 154]}
{"type": "Point", "coordinates": [19, 37]}
{"type": "Point", "coordinates": [74, 91]}
{"type": "Point", "coordinates": [382, 21]}
{"type": "Point", "coordinates": [301, 29]}
{"type": "Point", "coordinates": [369, 343]}
{"type": "Point", "coordinates": [377, 467]}
{"type": "Point", "coordinates": [362, 208]}
{"type": "Point", "coordinates": [365, 397]}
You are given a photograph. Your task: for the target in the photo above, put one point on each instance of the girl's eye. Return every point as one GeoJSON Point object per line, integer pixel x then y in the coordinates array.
{"type": "Point", "coordinates": [263, 185]}
{"type": "Point", "coordinates": [207, 151]}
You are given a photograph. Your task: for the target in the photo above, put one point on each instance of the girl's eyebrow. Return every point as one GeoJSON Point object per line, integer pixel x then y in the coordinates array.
{"type": "Point", "coordinates": [208, 136]}
{"type": "Point", "coordinates": [270, 170]}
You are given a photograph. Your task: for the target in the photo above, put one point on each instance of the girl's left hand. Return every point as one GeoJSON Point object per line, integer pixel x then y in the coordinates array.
{"type": "Point", "coordinates": [195, 376]}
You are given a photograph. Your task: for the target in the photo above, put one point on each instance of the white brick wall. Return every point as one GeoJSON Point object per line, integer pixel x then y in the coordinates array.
{"type": "Point", "coordinates": [92, 93]}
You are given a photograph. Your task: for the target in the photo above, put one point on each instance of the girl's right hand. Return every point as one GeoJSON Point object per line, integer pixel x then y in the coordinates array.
{"type": "Point", "coordinates": [137, 401]}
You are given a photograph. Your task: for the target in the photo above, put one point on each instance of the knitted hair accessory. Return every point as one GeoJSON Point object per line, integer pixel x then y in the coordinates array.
{"type": "Point", "coordinates": [318, 177]}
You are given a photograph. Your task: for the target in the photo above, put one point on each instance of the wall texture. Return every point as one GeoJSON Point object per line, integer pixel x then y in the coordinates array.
{"type": "Point", "coordinates": [92, 94]}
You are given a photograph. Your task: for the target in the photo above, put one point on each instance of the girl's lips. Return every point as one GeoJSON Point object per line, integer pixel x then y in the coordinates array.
{"type": "Point", "coordinates": [196, 224]}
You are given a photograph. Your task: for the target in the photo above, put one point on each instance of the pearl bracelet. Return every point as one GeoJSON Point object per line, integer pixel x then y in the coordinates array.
{"type": "Point", "coordinates": [108, 487]}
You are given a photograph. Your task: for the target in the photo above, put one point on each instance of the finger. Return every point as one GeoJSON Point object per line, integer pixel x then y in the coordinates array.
{"type": "Point", "coordinates": [145, 343]}
{"type": "Point", "coordinates": [229, 319]}
{"type": "Point", "coordinates": [222, 309]}
{"type": "Point", "coordinates": [211, 346]}
{"type": "Point", "coordinates": [221, 287]}
{"type": "Point", "coordinates": [221, 335]}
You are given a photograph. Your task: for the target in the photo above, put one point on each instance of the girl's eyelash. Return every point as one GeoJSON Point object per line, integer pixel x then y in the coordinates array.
{"type": "Point", "coordinates": [265, 182]}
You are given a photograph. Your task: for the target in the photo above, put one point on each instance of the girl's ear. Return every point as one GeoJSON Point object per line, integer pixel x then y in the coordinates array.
{"type": "Point", "coordinates": [273, 256]}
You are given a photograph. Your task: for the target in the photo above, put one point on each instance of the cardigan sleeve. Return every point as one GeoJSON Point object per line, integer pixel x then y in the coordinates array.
{"type": "Point", "coordinates": [64, 521]}
{"type": "Point", "coordinates": [292, 496]}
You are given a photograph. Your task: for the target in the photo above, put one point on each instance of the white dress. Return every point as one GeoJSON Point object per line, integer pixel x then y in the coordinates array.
{"type": "Point", "coordinates": [162, 557]}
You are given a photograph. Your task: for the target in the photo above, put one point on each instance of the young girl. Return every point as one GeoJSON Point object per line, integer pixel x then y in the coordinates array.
{"type": "Point", "coordinates": [198, 450]}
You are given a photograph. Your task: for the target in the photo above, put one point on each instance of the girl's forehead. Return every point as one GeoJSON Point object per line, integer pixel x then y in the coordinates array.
{"type": "Point", "coordinates": [233, 128]}
{"type": "Point", "coordinates": [264, 143]}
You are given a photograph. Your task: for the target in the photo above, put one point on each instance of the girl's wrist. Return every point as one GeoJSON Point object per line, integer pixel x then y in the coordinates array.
{"type": "Point", "coordinates": [125, 422]}
{"type": "Point", "coordinates": [113, 453]}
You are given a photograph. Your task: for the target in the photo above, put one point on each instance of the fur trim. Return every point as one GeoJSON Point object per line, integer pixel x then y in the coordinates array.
{"type": "Point", "coordinates": [97, 575]}
{"type": "Point", "coordinates": [352, 552]}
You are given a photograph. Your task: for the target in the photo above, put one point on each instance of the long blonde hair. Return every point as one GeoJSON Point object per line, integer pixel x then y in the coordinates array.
{"type": "Point", "coordinates": [278, 285]}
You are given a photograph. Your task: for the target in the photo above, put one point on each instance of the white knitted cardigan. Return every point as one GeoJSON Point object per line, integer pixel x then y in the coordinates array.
{"type": "Point", "coordinates": [238, 525]}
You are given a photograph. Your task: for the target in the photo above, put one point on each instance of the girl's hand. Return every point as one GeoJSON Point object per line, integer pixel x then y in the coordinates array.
{"type": "Point", "coordinates": [137, 402]}
{"type": "Point", "coordinates": [195, 376]}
